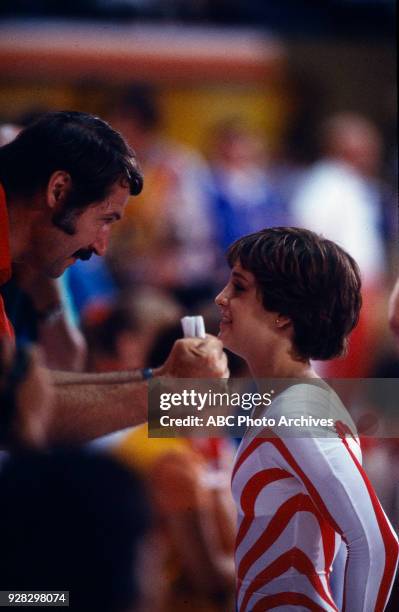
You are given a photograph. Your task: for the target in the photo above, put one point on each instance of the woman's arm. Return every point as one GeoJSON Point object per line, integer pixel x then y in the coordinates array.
{"type": "Point", "coordinates": [333, 476]}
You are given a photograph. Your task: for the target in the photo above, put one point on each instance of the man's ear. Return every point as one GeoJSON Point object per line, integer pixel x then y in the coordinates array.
{"type": "Point", "coordinates": [58, 187]}
{"type": "Point", "coordinates": [282, 321]}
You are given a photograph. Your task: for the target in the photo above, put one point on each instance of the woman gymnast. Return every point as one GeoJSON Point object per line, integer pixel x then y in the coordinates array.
{"type": "Point", "coordinates": [303, 501]}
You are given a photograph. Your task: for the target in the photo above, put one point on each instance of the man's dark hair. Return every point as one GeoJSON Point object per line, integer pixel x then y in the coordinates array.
{"type": "Point", "coordinates": [85, 146]}
{"type": "Point", "coordinates": [311, 280]}
{"type": "Point", "coordinates": [72, 520]}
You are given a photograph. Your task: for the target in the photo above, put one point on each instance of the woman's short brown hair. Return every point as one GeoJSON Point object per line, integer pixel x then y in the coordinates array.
{"type": "Point", "coordinates": [311, 280]}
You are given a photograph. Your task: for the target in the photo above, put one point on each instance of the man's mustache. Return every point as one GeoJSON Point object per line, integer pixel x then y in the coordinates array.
{"type": "Point", "coordinates": [83, 254]}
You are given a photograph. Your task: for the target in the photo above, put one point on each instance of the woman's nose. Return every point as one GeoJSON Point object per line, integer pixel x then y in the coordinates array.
{"type": "Point", "coordinates": [221, 299]}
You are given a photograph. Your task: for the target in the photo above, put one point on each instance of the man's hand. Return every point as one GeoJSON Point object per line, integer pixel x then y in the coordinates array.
{"type": "Point", "coordinates": [196, 358]}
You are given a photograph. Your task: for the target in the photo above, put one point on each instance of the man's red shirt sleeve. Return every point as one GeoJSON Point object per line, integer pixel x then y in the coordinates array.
{"type": "Point", "coordinates": [5, 263]}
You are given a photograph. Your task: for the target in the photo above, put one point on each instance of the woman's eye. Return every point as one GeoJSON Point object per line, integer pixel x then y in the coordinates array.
{"type": "Point", "coordinates": [238, 287]}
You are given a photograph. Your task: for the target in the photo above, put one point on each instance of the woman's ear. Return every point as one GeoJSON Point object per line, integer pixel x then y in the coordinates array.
{"type": "Point", "coordinates": [58, 187]}
{"type": "Point", "coordinates": [282, 321]}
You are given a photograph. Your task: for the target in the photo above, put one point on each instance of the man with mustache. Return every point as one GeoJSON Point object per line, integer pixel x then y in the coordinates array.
{"type": "Point", "coordinates": [63, 182]}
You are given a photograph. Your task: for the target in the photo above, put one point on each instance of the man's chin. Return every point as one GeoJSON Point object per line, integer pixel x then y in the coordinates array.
{"type": "Point", "coordinates": [57, 270]}
{"type": "Point", "coordinates": [54, 273]}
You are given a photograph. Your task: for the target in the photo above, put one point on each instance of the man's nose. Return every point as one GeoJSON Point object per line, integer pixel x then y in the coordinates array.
{"type": "Point", "coordinates": [100, 244]}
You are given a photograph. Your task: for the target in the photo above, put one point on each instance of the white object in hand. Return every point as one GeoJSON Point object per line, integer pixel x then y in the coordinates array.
{"type": "Point", "coordinates": [193, 327]}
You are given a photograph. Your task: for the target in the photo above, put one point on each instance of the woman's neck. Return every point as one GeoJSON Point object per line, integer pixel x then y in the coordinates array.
{"type": "Point", "coordinates": [280, 365]}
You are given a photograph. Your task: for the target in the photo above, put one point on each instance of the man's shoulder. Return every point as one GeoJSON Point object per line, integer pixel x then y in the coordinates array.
{"type": "Point", "coordinates": [5, 263]}
{"type": "Point", "coordinates": [5, 257]}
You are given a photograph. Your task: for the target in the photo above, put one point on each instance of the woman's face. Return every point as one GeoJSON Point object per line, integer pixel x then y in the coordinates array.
{"type": "Point", "coordinates": [246, 328]}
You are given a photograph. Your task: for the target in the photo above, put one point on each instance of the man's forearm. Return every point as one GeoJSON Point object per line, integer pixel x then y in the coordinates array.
{"type": "Point", "coordinates": [86, 411]}
{"type": "Point", "coordinates": [90, 405]}
{"type": "Point", "coordinates": [88, 378]}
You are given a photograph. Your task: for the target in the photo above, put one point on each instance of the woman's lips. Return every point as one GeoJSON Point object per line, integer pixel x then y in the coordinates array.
{"type": "Point", "coordinates": [224, 321]}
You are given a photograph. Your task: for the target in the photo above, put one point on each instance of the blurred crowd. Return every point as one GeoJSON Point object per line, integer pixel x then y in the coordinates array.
{"type": "Point", "coordinates": [162, 507]}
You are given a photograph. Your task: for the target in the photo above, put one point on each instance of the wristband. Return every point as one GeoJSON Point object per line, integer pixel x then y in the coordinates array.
{"type": "Point", "coordinates": [147, 373]}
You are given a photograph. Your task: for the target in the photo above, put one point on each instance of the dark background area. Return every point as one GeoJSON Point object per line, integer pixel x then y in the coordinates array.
{"type": "Point", "coordinates": [353, 19]}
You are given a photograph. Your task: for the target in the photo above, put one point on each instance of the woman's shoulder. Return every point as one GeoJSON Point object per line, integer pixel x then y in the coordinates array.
{"type": "Point", "coordinates": [307, 409]}
{"type": "Point", "coordinates": [307, 396]}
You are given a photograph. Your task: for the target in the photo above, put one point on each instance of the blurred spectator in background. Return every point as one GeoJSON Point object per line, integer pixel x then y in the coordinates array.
{"type": "Point", "coordinates": [298, 147]}
{"type": "Point", "coordinates": [393, 312]}
{"type": "Point", "coordinates": [89, 284]}
{"type": "Point", "coordinates": [120, 336]}
{"type": "Point", "coordinates": [77, 522]}
{"type": "Point", "coordinates": [166, 236]}
{"type": "Point", "coordinates": [37, 308]}
{"type": "Point", "coordinates": [339, 197]}
{"type": "Point", "coordinates": [243, 199]}
{"type": "Point", "coordinates": [189, 481]}
{"type": "Point", "coordinates": [8, 131]}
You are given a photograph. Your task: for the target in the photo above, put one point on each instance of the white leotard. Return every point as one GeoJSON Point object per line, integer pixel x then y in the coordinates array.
{"type": "Point", "coordinates": [298, 500]}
